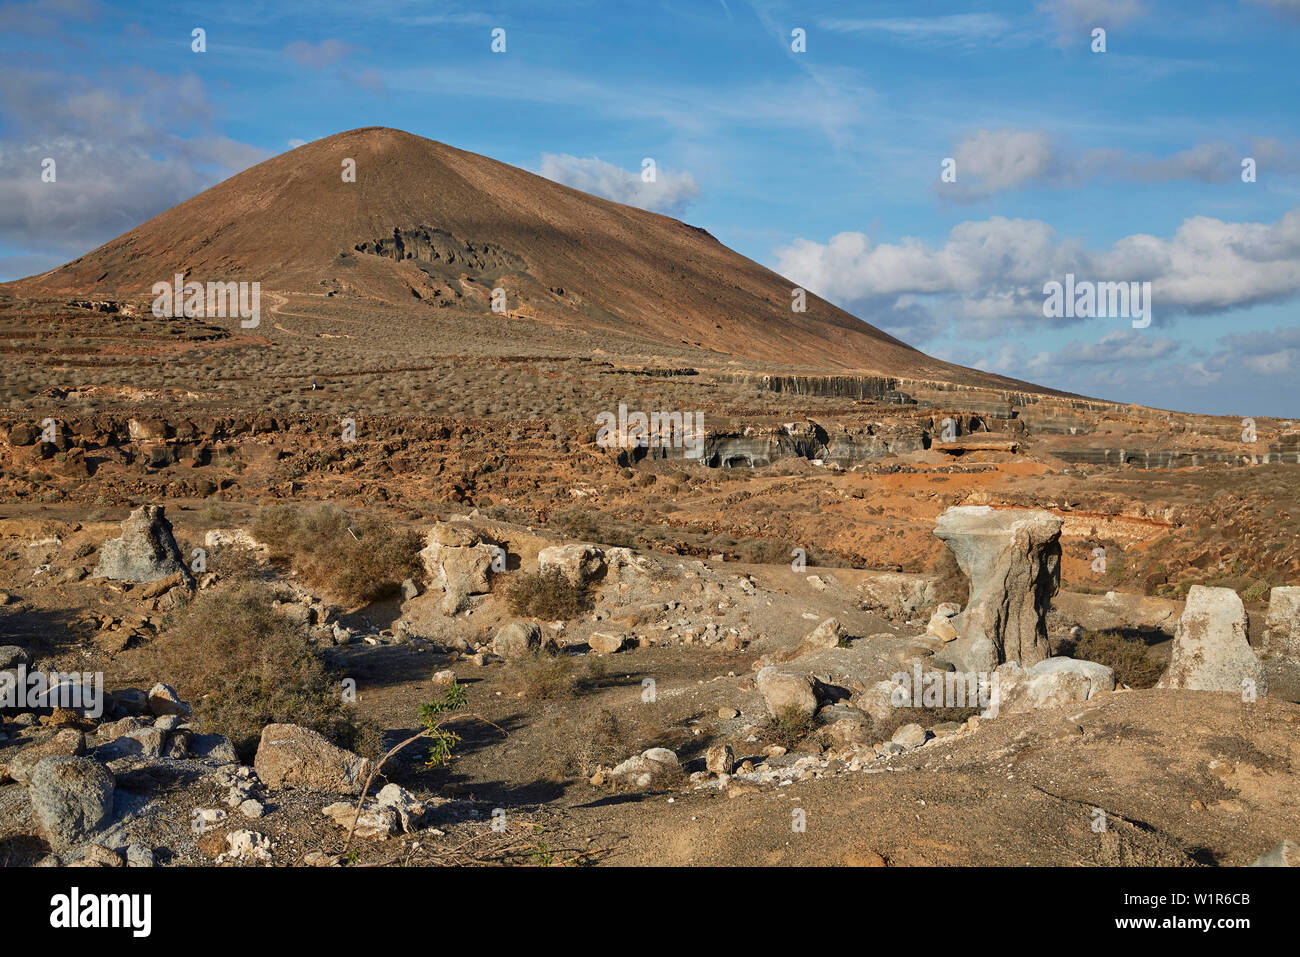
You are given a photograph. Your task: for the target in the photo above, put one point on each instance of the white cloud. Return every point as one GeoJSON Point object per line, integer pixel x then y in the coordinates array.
{"type": "Point", "coordinates": [995, 161]}
{"type": "Point", "coordinates": [670, 193]}
{"type": "Point", "coordinates": [121, 156]}
{"type": "Point", "coordinates": [1002, 159]}
{"type": "Point", "coordinates": [989, 274]}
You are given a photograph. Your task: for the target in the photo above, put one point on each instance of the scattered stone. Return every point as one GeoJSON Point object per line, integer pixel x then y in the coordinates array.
{"type": "Point", "coordinates": [97, 855]}
{"type": "Point", "coordinates": [517, 639]}
{"type": "Point", "coordinates": [782, 691]}
{"type": "Point", "coordinates": [409, 809]}
{"type": "Point", "coordinates": [720, 759]}
{"type": "Point", "coordinates": [252, 808]}
{"type": "Point", "coordinates": [375, 823]}
{"type": "Point", "coordinates": [909, 736]}
{"type": "Point", "coordinates": [72, 798]}
{"type": "Point", "coordinates": [1013, 560]}
{"type": "Point", "coordinates": [1286, 854]}
{"type": "Point", "coordinates": [877, 700]}
{"type": "Point", "coordinates": [248, 846]}
{"type": "Point", "coordinates": [726, 714]}
{"type": "Point", "coordinates": [137, 855]}
{"type": "Point", "coordinates": [164, 700]}
{"type": "Point", "coordinates": [941, 627]}
{"type": "Point", "coordinates": [605, 644]}
{"type": "Point", "coordinates": [213, 749]}
{"type": "Point", "coordinates": [654, 766]}
{"type": "Point", "coordinates": [1211, 652]}
{"type": "Point", "coordinates": [293, 756]}
{"type": "Point", "coordinates": [444, 678]}
{"type": "Point", "coordinates": [11, 656]}
{"type": "Point", "coordinates": [826, 635]}
{"type": "Point", "coordinates": [131, 700]}
{"type": "Point", "coordinates": [66, 743]}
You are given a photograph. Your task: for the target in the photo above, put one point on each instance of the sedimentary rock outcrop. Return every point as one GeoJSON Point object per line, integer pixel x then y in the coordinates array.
{"type": "Point", "coordinates": [1211, 652]}
{"type": "Point", "coordinates": [146, 551]}
{"type": "Point", "coordinates": [1282, 637]}
{"type": "Point", "coordinates": [1013, 560]}
{"type": "Point", "coordinates": [458, 560]}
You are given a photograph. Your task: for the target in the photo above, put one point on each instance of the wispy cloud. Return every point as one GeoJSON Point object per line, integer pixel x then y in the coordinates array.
{"type": "Point", "coordinates": [963, 29]}
{"type": "Point", "coordinates": [317, 56]}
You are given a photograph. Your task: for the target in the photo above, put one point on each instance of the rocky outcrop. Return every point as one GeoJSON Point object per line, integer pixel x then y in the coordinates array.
{"type": "Point", "coordinates": [1282, 634]}
{"type": "Point", "coordinates": [896, 594]}
{"type": "Point", "coordinates": [1211, 651]}
{"type": "Point", "coordinates": [458, 560]}
{"type": "Point", "coordinates": [1013, 560]}
{"type": "Point", "coordinates": [145, 552]}
{"type": "Point", "coordinates": [293, 756]}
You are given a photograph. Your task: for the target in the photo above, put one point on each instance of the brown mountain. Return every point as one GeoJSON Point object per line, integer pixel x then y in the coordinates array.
{"type": "Point", "coordinates": [428, 227]}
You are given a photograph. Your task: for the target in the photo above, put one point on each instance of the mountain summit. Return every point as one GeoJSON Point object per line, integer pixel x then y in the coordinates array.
{"type": "Point", "coordinates": [428, 227]}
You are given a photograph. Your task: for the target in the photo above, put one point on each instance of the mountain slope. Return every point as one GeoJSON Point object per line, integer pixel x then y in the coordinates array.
{"type": "Point", "coordinates": [426, 226]}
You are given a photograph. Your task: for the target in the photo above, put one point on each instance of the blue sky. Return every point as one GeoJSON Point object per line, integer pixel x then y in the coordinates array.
{"type": "Point", "coordinates": [824, 164]}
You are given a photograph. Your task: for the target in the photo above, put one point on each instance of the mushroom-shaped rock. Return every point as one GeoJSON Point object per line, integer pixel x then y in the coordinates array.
{"type": "Point", "coordinates": [1013, 560]}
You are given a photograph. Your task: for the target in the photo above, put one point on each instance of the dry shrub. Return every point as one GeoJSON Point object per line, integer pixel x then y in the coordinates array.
{"type": "Point", "coordinates": [539, 676]}
{"type": "Point", "coordinates": [925, 717]}
{"type": "Point", "coordinates": [544, 674]}
{"type": "Point", "coordinates": [547, 594]}
{"type": "Point", "coordinates": [354, 559]}
{"type": "Point", "coordinates": [242, 666]}
{"type": "Point", "coordinates": [789, 728]}
{"type": "Point", "coordinates": [601, 741]}
{"type": "Point", "coordinates": [1127, 657]}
